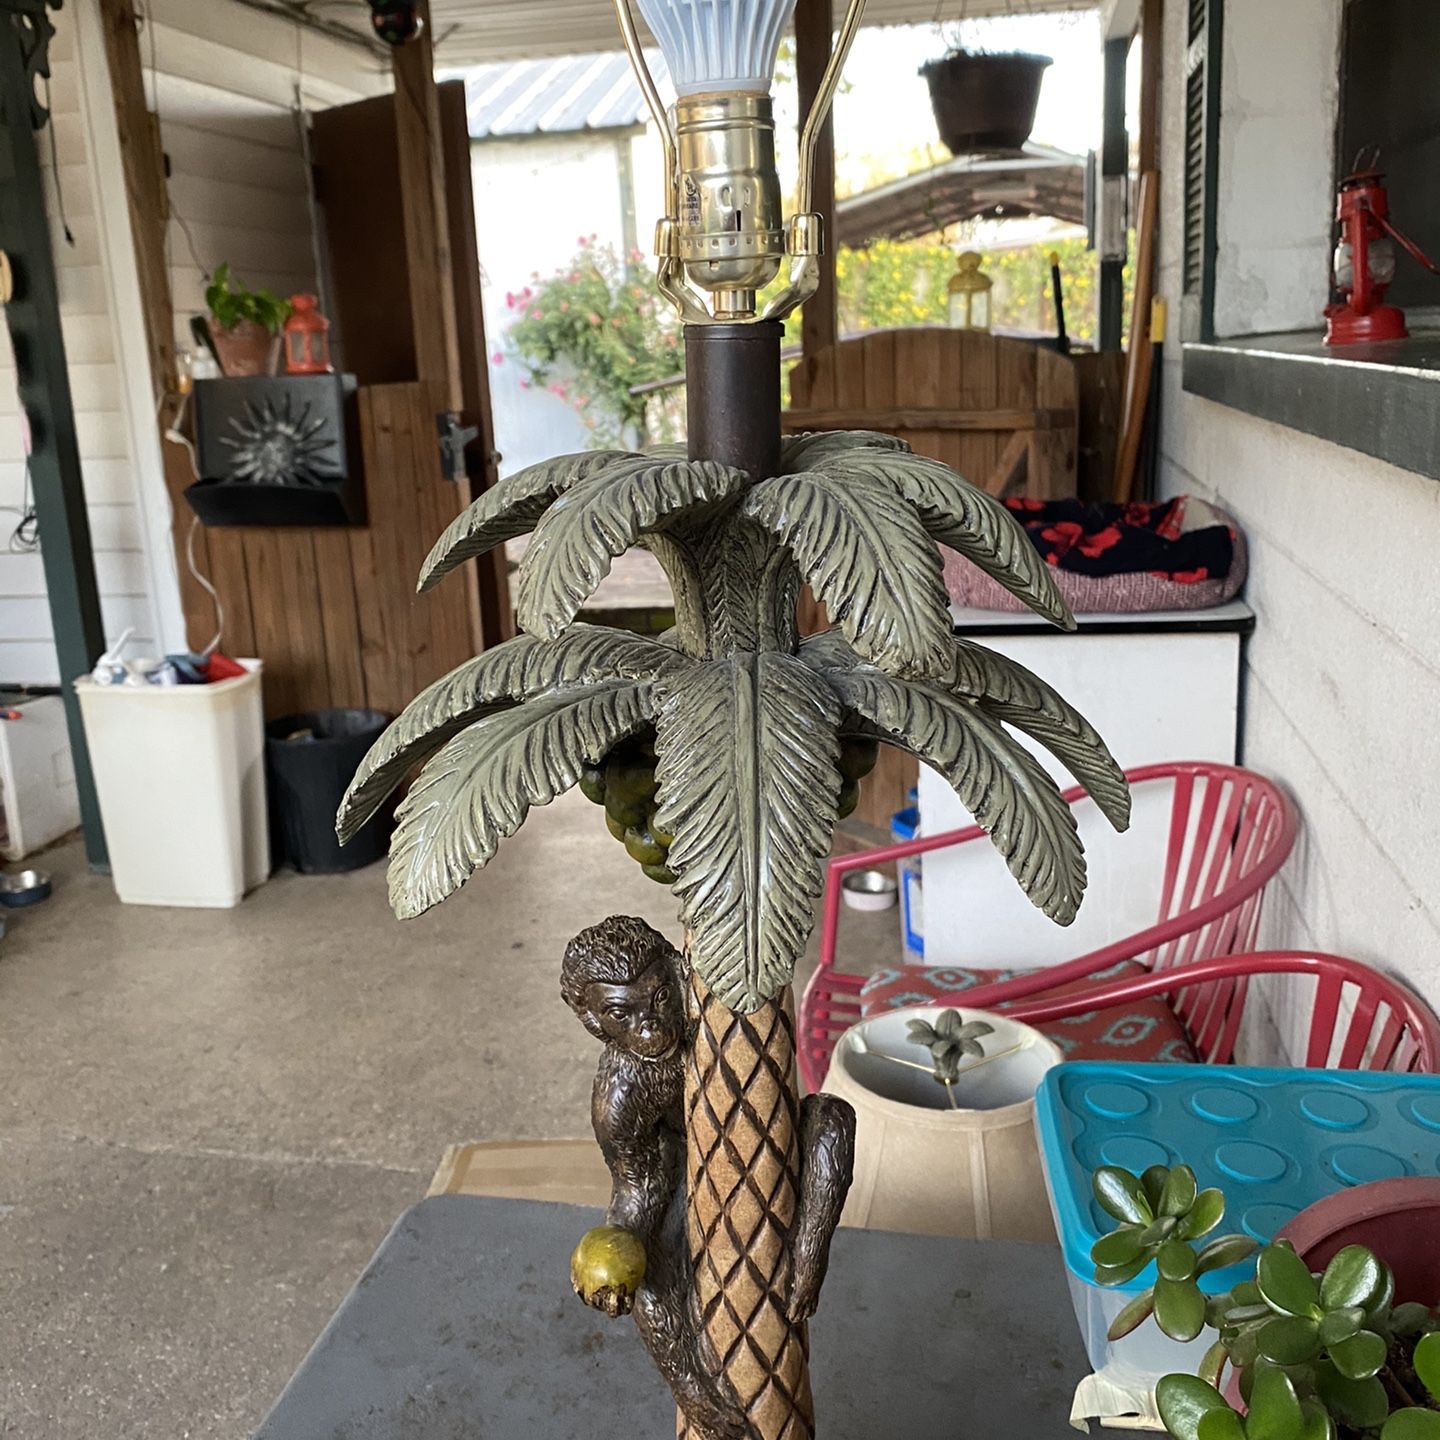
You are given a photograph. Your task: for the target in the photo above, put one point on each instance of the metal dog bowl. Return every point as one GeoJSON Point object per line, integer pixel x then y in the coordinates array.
{"type": "Point", "coordinates": [23, 887]}
{"type": "Point", "coordinates": [868, 890]}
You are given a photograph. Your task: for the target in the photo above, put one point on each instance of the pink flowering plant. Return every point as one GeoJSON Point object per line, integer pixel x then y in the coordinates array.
{"type": "Point", "coordinates": [592, 332]}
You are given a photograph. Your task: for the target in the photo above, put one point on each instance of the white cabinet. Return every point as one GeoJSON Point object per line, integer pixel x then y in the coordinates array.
{"type": "Point", "coordinates": [1164, 686]}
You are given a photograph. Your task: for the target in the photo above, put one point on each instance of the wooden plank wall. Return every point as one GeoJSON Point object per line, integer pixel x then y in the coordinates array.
{"type": "Point", "coordinates": [957, 396]}
{"type": "Point", "coordinates": [332, 612]}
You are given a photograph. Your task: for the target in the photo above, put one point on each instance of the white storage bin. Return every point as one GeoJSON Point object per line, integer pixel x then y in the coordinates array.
{"type": "Point", "coordinates": [38, 799]}
{"type": "Point", "coordinates": [180, 772]}
{"type": "Point", "coordinates": [1144, 1355]}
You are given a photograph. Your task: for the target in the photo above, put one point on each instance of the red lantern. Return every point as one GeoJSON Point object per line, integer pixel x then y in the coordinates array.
{"type": "Point", "coordinates": [307, 338]}
{"type": "Point", "coordinates": [1365, 264]}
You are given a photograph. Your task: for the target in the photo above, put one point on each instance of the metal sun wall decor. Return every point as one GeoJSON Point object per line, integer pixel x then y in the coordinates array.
{"type": "Point", "coordinates": [277, 442]}
{"type": "Point", "coordinates": [723, 752]}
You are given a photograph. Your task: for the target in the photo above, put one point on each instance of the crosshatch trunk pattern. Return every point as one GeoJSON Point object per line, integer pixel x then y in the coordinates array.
{"type": "Point", "coordinates": [742, 1170]}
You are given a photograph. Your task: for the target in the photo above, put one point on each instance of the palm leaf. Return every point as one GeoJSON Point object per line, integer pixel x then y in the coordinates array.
{"type": "Point", "coordinates": [479, 788]}
{"type": "Point", "coordinates": [746, 758]}
{"type": "Point", "coordinates": [868, 559]}
{"type": "Point", "coordinates": [510, 508]}
{"type": "Point", "coordinates": [964, 517]}
{"type": "Point", "coordinates": [1007, 691]}
{"type": "Point", "coordinates": [811, 450]}
{"type": "Point", "coordinates": [517, 670]}
{"type": "Point", "coordinates": [999, 782]}
{"type": "Point", "coordinates": [602, 517]}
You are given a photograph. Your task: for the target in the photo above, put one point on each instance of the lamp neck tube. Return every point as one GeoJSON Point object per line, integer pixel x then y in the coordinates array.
{"type": "Point", "coordinates": [732, 393]}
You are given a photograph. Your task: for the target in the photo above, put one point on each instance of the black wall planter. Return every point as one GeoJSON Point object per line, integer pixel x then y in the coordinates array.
{"type": "Point", "coordinates": [278, 450]}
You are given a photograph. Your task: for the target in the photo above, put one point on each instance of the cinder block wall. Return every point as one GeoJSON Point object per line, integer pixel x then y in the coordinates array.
{"type": "Point", "coordinates": [1342, 678]}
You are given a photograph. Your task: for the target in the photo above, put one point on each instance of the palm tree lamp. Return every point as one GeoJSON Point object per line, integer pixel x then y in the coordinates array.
{"type": "Point", "coordinates": [725, 750]}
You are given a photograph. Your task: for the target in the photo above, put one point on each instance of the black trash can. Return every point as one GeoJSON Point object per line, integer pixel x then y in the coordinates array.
{"type": "Point", "coordinates": [310, 758]}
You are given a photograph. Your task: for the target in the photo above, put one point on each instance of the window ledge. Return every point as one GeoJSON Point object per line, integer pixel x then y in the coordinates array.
{"type": "Point", "coordinates": [1383, 400]}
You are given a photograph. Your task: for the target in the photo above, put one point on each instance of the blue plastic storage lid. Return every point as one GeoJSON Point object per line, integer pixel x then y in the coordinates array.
{"type": "Point", "coordinates": [1274, 1141]}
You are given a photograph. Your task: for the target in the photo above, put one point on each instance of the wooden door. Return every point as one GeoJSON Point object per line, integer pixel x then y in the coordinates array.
{"type": "Point", "coordinates": [386, 312]}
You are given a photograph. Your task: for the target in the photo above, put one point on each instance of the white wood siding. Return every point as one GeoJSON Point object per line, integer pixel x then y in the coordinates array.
{"type": "Point", "coordinates": [223, 79]}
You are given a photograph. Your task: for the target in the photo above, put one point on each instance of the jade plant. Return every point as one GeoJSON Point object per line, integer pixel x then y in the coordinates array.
{"type": "Point", "coordinates": [1316, 1356]}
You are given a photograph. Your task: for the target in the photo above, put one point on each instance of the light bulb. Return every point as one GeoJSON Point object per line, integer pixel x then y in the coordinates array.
{"type": "Point", "coordinates": [719, 45]}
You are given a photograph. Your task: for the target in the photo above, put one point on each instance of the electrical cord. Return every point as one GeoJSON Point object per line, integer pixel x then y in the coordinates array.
{"type": "Point", "coordinates": [55, 166]}
{"type": "Point", "coordinates": [25, 537]}
{"type": "Point", "coordinates": [177, 436]}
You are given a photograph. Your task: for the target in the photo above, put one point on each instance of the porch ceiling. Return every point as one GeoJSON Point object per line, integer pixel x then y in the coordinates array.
{"type": "Point", "coordinates": [469, 32]}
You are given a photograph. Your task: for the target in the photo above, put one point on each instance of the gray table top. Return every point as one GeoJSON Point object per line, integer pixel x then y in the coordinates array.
{"type": "Point", "coordinates": [463, 1325]}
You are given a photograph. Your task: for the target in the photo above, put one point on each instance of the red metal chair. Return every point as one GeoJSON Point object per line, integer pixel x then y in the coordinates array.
{"type": "Point", "coordinates": [1230, 830]}
{"type": "Point", "coordinates": [1384, 1026]}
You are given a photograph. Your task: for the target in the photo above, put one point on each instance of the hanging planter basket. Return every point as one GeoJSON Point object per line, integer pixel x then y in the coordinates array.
{"type": "Point", "coordinates": [985, 102]}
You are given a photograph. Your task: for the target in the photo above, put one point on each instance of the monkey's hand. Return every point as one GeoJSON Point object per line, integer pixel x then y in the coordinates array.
{"type": "Point", "coordinates": [607, 1268]}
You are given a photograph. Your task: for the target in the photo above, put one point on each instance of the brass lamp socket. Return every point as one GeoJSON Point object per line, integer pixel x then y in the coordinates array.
{"type": "Point", "coordinates": [730, 234]}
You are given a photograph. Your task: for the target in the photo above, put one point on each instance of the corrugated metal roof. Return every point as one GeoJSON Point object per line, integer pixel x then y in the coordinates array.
{"type": "Point", "coordinates": [555, 96]}
{"type": "Point", "coordinates": [1040, 180]}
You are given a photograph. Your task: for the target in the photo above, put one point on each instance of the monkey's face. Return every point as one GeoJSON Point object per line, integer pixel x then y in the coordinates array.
{"type": "Point", "coordinates": [645, 1017]}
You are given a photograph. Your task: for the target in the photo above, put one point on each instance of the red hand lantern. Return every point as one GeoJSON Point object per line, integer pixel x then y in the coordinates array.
{"type": "Point", "coordinates": [307, 338]}
{"type": "Point", "coordinates": [1365, 264]}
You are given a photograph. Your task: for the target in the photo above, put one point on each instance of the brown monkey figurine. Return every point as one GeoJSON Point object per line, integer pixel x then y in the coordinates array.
{"type": "Point", "coordinates": [627, 984]}
{"type": "Point", "coordinates": [623, 980]}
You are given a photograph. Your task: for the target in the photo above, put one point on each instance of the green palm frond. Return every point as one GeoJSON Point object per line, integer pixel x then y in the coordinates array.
{"type": "Point", "coordinates": [601, 517]}
{"type": "Point", "coordinates": [1006, 690]}
{"type": "Point", "coordinates": [478, 789]}
{"type": "Point", "coordinates": [746, 758]}
{"type": "Point", "coordinates": [513, 672]}
{"type": "Point", "coordinates": [510, 508]}
{"type": "Point", "coordinates": [815, 447]}
{"type": "Point", "coordinates": [867, 557]}
{"type": "Point", "coordinates": [958, 514]}
{"type": "Point", "coordinates": [999, 782]}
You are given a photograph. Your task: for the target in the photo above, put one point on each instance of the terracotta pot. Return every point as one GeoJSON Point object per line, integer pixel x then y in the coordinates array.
{"type": "Point", "coordinates": [246, 349]}
{"type": "Point", "coordinates": [1397, 1220]}
{"type": "Point", "coordinates": [985, 102]}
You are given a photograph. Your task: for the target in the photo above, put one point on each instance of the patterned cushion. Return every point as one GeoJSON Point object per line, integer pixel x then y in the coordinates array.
{"type": "Point", "coordinates": [1140, 1030]}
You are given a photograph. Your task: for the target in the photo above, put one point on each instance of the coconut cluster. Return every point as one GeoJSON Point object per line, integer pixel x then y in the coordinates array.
{"type": "Point", "coordinates": [624, 783]}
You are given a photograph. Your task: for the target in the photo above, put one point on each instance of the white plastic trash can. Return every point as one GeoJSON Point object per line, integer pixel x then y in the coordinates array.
{"type": "Point", "coordinates": [180, 773]}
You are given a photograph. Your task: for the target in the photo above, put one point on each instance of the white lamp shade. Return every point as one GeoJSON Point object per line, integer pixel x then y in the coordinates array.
{"type": "Point", "coordinates": [722, 45]}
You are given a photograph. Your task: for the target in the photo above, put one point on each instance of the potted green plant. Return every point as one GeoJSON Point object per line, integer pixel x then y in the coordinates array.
{"type": "Point", "coordinates": [245, 325]}
{"type": "Point", "coordinates": [983, 101]}
{"type": "Point", "coordinates": [1301, 1355]}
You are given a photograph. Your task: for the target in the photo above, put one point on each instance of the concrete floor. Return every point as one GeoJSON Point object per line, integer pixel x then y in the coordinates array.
{"type": "Point", "coordinates": [209, 1119]}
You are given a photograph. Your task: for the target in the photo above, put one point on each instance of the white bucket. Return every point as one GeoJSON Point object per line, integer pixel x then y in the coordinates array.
{"type": "Point", "coordinates": [925, 1167]}
{"type": "Point", "coordinates": [180, 774]}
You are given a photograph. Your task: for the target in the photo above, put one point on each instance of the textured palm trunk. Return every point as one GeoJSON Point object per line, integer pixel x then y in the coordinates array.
{"type": "Point", "coordinates": [743, 1182]}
